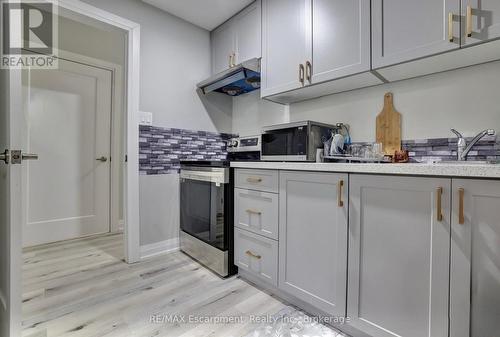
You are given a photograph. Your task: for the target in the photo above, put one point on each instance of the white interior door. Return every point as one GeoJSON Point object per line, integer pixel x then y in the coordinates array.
{"type": "Point", "coordinates": [68, 114]}
{"type": "Point", "coordinates": [10, 206]}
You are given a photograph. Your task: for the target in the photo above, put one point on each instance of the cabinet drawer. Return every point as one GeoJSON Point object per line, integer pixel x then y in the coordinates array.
{"type": "Point", "coordinates": [256, 212]}
{"type": "Point", "coordinates": [256, 255]}
{"type": "Point", "coordinates": [260, 180]}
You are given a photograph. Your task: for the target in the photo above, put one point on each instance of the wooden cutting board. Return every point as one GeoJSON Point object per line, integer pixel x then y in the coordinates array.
{"type": "Point", "coordinates": [389, 127]}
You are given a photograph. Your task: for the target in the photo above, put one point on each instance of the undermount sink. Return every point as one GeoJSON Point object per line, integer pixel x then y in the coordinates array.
{"type": "Point", "coordinates": [456, 162]}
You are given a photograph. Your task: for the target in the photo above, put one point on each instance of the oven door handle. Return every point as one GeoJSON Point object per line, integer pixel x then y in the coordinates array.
{"type": "Point", "coordinates": [209, 177]}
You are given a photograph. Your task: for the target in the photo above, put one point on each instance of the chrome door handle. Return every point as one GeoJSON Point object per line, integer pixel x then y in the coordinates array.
{"type": "Point", "coordinates": [102, 159]}
{"type": "Point", "coordinates": [29, 156]}
{"type": "Point", "coordinates": [17, 157]}
{"type": "Point", "coordinates": [5, 156]}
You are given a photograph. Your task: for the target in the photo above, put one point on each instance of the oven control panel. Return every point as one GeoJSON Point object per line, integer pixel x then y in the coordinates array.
{"type": "Point", "coordinates": [244, 144]}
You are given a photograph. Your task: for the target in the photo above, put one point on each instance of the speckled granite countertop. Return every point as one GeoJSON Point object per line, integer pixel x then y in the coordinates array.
{"type": "Point", "coordinates": [468, 170]}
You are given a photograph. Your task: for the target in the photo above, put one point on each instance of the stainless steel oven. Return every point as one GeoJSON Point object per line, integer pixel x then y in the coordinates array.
{"type": "Point", "coordinates": [206, 214]}
{"type": "Point", "coordinates": [294, 141]}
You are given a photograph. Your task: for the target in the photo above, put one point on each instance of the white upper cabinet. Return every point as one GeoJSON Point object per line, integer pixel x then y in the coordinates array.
{"type": "Point", "coordinates": [286, 44]}
{"type": "Point", "coordinates": [404, 30]}
{"type": "Point", "coordinates": [237, 40]}
{"type": "Point", "coordinates": [475, 259]}
{"type": "Point", "coordinates": [309, 42]}
{"type": "Point", "coordinates": [482, 21]}
{"type": "Point", "coordinates": [248, 33]}
{"type": "Point", "coordinates": [313, 239]}
{"type": "Point", "coordinates": [223, 46]}
{"type": "Point", "coordinates": [399, 255]}
{"type": "Point", "coordinates": [340, 38]}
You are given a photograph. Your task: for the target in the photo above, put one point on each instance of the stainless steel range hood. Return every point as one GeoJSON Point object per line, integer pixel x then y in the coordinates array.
{"type": "Point", "coordinates": [238, 80]}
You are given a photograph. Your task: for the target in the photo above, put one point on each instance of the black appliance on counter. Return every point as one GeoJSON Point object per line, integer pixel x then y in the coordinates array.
{"type": "Point", "coordinates": [296, 141]}
{"type": "Point", "coordinates": [206, 214]}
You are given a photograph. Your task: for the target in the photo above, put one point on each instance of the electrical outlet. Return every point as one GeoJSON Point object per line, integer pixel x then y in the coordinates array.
{"type": "Point", "coordinates": [145, 118]}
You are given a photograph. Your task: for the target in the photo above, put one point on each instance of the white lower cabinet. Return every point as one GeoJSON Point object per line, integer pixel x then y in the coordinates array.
{"type": "Point", "coordinates": [475, 259]}
{"type": "Point", "coordinates": [399, 255]}
{"type": "Point", "coordinates": [313, 239]}
{"type": "Point", "coordinates": [256, 255]}
{"type": "Point", "coordinates": [420, 256]}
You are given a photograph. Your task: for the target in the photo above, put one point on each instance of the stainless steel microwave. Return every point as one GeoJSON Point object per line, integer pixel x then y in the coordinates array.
{"type": "Point", "coordinates": [294, 141]}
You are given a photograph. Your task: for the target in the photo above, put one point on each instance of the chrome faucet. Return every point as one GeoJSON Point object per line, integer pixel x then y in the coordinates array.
{"type": "Point", "coordinates": [463, 148]}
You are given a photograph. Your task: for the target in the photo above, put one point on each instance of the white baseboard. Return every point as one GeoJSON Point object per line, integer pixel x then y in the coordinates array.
{"type": "Point", "coordinates": [159, 248]}
{"type": "Point", "coordinates": [121, 225]}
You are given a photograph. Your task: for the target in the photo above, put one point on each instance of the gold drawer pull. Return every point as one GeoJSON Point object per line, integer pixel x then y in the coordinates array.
{"type": "Point", "coordinates": [309, 72]}
{"type": "Point", "coordinates": [461, 217]}
{"type": "Point", "coordinates": [469, 21]}
{"type": "Point", "coordinates": [301, 74]}
{"type": "Point", "coordinates": [339, 196]}
{"type": "Point", "coordinates": [450, 27]}
{"type": "Point", "coordinates": [439, 197]}
{"type": "Point", "coordinates": [249, 253]}
{"type": "Point", "coordinates": [251, 211]}
{"type": "Point", "coordinates": [253, 180]}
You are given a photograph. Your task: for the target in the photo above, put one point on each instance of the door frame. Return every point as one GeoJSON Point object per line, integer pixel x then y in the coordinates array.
{"type": "Point", "coordinates": [130, 142]}
{"type": "Point", "coordinates": [131, 109]}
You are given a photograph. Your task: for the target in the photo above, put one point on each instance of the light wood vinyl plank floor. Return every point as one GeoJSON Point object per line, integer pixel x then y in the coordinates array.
{"type": "Point", "coordinates": [83, 288]}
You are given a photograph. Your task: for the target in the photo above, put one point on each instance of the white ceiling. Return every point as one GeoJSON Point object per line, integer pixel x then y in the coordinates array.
{"type": "Point", "coordinates": [207, 14]}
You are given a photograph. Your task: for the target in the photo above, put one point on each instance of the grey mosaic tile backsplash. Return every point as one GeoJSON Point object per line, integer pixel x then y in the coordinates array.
{"type": "Point", "coordinates": [162, 149]}
{"type": "Point", "coordinates": [437, 149]}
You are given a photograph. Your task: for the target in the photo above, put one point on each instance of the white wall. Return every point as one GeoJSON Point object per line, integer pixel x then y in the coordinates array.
{"type": "Point", "coordinates": [466, 99]}
{"type": "Point", "coordinates": [175, 56]}
{"type": "Point", "coordinates": [84, 39]}
{"type": "Point", "coordinates": [159, 206]}
{"type": "Point", "coordinates": [250, 114]}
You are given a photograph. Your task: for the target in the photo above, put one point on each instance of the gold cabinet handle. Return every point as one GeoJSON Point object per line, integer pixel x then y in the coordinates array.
{"type": "Point", "coordinates": [461, 217]}
{"type": "Point", "coordinates": [252, 211]}
{"type": "Point", "coordinates": [249, 253]}
{"type": "Point", "coordinates": [309, 72]}
{"type": "Point", "coordinates": [253, 180]}
{"type": "Point", "coordinates": [469, 21]}
{"type": "Point", "coordinates": [439, 201]}
{"type": "Point", "coordinates": [301, 74]}
{"type": "Point", "coordinates": [233, 62]}
{"type": "Point", "coordinates": [450, 27]}
{"type": "Point", "coordinates": [340, 186]}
